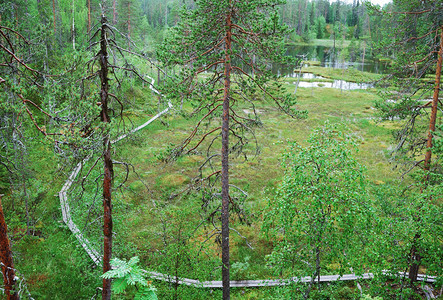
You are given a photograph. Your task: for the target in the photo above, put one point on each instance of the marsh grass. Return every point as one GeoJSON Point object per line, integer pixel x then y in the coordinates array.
{"type": "Point", "coordinates": [157, 181]}
{"type": "Point", "coordinates": [259, 175]}
{"type": "Point", "coordinates": [350, 74]}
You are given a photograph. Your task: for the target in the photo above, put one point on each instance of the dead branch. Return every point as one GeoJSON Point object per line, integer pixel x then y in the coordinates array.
{"type": "Point", "coordinates": [15, 32]}
{"type": "Point", "coordinates": [19, 60]}
{"type": "Point", "coordinates": [243, 237]}
{"type": "Point", "coordinates": [203, 138]}
{"type": "Point", "coordinates": [88, 173]}
{"type": "Point", "coordinates": [194, 131]}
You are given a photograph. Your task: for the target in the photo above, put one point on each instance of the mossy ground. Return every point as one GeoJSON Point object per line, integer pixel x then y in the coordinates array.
{"type": "Point", "coordinates": [138, 223]}
{"type": "Point", "coordinates": [349, 74]}
{"type": "Point", "coordinates": [258, 175]}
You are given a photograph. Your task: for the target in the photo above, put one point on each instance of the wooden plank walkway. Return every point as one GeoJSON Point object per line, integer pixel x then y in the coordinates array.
{"type": "Point", "coordinates": [272, 282]}
{"type": "Point", "coordinates": [97, 258]}
{"type": "Point", "coordinates": [151, 86]}
{"type": "Point", "coordinates": [64, 204]}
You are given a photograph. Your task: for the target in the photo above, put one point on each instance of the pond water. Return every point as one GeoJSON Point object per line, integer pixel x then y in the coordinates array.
{"type": "Point", "coordinates": [337, 58]}
{"type": "Point", "coordinates": [332, 58]}
{"type": "Point", "coordinates": [336, 84]}
{"type": "Point", "coordinates": [329, 57]}
{"type": "Point", "coordinates": [328, 83]}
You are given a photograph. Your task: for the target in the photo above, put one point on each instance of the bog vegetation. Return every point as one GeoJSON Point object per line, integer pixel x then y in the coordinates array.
{"type": "Point", "coordinates": [243, 173]}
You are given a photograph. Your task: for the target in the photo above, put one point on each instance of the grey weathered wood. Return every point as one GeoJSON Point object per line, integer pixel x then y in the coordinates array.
{"type": "Point", "coordinates": [95, 256]}
{"type": "Point", "coordinates": [271, 282]}
{"type": "Point", "coordinates": [144, 125]}
{"type": "Point", "coordinates": [84, 242]}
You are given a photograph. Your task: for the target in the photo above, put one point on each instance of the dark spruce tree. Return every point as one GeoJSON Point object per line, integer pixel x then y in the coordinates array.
{"type": "Point", "coordinates": [224, 51]}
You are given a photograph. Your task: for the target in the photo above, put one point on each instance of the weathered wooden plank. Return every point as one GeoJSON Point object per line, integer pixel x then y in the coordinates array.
{"type": "Point", "coordinates": [143, 125]}
{"type": "Point", "coordinates": [270, 282]}
{"type": "Point", "coordinates": [65, 208]}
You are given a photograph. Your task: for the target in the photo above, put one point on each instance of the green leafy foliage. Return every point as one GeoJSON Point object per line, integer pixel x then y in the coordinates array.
{"type": "Point", "coordinates": [127, 274]}
{"type": "Point", "coordinates": [182, 249]}
{"type": "Point", "coordinates": [405, 218]}
{"type": "Point", "coordinates": [53, 264]}
{"type": "Point", "coordinates": [321, 208]}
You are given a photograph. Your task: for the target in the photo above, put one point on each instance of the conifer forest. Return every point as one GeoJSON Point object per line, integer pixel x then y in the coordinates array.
{"type": "Point", "coordinates": [229, 149]}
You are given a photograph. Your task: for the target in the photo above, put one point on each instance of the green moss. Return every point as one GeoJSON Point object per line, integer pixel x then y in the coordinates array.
{"type": "Point", "coordinates": [174, 180]}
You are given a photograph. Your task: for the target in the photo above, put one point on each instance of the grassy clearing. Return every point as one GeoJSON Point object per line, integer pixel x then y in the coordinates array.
{"type": "Point", "coordinates": [139, 207]}
{"type": "Point", "coordinates": [258, 175]}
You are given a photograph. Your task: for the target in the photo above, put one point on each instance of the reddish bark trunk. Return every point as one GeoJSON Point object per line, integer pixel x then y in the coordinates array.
{"type": "Point", "coordinates": [6, 259]}
{"type": "Point", "coordinates": [415, 256]}
{"type": "Point", "coordinates": [225, 162]}
{"type": "Point", "coordinates": [108, 170]}
{"type": "Point", "coordinates": [433, 117]}
{"type": "Point", "coordinates": [107, 219]}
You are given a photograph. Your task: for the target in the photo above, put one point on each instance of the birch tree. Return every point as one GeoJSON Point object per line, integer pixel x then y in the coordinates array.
{"type": "Point", "coordinates": [320, 211]}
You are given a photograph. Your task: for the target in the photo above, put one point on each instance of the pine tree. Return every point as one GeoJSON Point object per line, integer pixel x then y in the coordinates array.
{"type": "Point", "coordinates": [225, 49]}
{"type": "Point", "coordinates": [416, 39]}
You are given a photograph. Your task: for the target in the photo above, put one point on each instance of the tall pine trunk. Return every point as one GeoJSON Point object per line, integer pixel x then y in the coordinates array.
{"type": "Point", "coordinates": [415, 256]}
{"type": "Point", "coordinates": [225, 162]}
{"type": "Point", "coordinates": [8, 271]}
{"type": "Point", "coordinates": [433, 117]}
{"type": "Point", "coordinates": [108, 169]}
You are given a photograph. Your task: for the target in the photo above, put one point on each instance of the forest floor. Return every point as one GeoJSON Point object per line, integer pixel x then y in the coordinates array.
{"type": "Point", "coordinates": [259, 175]}
{"type": "Point", "coordinates": [149, 216]}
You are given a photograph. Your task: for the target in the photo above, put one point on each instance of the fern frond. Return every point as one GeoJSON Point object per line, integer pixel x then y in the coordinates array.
{"type": "Point", "coordinates": [146, 293]}
{"type": "Point", "coordinates": [119, 285]}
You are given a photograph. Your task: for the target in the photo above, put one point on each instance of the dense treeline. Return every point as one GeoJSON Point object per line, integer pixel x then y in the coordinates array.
{"type": "Point", "coordinates": [68, 22]}
{"type": "Point", "coordinates": [310, 19]}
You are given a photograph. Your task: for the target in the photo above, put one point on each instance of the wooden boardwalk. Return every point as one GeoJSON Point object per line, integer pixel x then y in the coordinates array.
{"type": "Point", "coordinates": [64, 204]}
{"type": "Point", "coordinates": [151, 86]}
{"type": "Point", "coordinates": [97, 258]}
{"type": "Point", "coordinates": [272, 282]}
